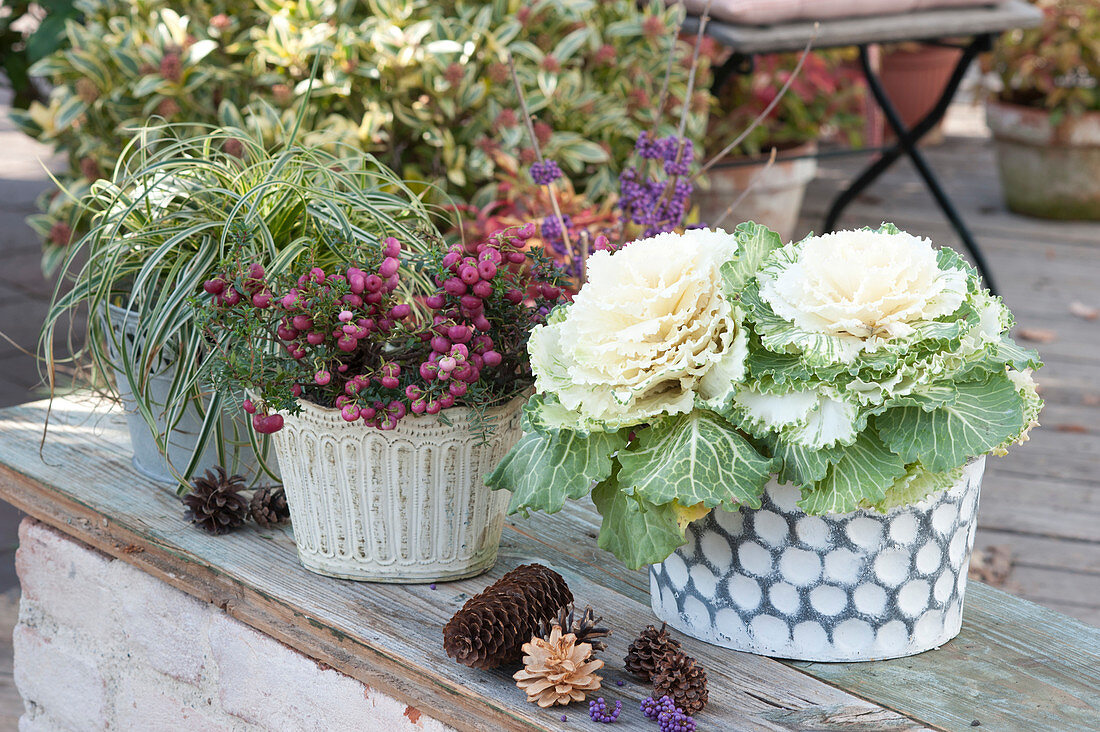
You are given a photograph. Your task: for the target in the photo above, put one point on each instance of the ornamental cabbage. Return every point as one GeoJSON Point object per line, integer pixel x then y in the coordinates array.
{"type": "Point", "coordinates": [866, 367]}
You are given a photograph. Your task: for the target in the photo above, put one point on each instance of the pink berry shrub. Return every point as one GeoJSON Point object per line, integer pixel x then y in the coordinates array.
{"type": "Point", "coordinates": [351, 338]}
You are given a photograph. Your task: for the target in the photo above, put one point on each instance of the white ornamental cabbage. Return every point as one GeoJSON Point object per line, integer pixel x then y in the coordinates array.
{"type": "Point", "coordinates": [649, 332]}
{"type": "Point", "coordinates": [859, 289]}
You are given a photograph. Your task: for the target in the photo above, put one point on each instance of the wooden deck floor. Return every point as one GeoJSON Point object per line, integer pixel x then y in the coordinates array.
{"type": "Point", "coordinates": [1043, 500]}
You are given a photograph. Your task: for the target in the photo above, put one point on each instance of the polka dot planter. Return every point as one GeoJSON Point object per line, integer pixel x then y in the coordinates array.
{"type": "Point", "coordinates": [862, 586]}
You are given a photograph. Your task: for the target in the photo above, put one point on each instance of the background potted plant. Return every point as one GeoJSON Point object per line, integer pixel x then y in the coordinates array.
{"type": "Point", "coordinates": [423, 86]}
{"type": "Point", "coordinates": [868, 370]}
{"type": "Point", "coordinates": [161, 225]}
{"type": "Point", "coordinates": [392, 383]}
{"type": "Point", "coordinates": [824, 101]}
{"type": "Point", "coordinates": [1046, 117]}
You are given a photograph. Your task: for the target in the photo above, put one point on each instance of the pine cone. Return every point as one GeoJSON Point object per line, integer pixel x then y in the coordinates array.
{"type": "Point", "coordinates": [557, 670]}
{"type": "Point", "coordinates": [492, 626]}
{"type": "Point", "coordinates": [214, 502]}
{"type": "Point", "coordinates": [585, 627]}
{"type": "Point", "coordinates": [268, 506]}
{"type": "Point", "coordinates": [680, 677]}
{"type": "Point", "coordinates": [647, 649]}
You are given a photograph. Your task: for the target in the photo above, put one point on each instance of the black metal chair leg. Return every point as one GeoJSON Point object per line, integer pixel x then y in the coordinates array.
{"type": "Point", "coordinates": [907, 144]}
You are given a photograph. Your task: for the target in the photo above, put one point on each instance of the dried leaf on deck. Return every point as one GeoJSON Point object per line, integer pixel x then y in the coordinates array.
{"type": "Point", "coordinates": [991, 565]}
{"type": "Point", "coordinates": [1038, 335]}
{"type": "Point", "coordinates": [1081, 310]}
{"type": "Point", "coordinates": [1073, 427]}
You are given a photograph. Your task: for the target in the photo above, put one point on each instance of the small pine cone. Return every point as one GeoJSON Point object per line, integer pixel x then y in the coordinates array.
{"type": "Point", "coordinates": [647, 649]}
{"type": "Point", "coordinates": [215, 503]}
{"type": "Point", "coordinates": [268, 506]}
{"type": "Point", "coordinates": [558, 669]}
{"type": "Point", "coordinates": [586, 627]}
{"type": "Point", "coordinates": [492, 626]}
{"type": "Point", "coordinates": [682, 678]}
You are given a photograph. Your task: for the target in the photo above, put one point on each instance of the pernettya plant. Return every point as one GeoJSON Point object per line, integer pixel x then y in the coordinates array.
{"type": "Point", "coordinates": [866, 367]}
{"type": "Point", "coordinates": [360, 339]}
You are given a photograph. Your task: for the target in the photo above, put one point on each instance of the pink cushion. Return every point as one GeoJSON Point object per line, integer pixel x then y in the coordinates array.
{"type": "Point", "coordinates": [769, 12]}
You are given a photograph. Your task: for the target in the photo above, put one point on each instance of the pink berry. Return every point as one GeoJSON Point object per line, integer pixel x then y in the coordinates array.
{"type": "Point", "coordinates": [302, 322]}
{"type": "Point", "coordinates": [388, 382]}
{"type": "Point", "coordinates": [248, 406]}
{"type": "Point", "coordinates": [527, 231]}
{"type": "Point", "coordinates": [428, 370]}
{"type": "Point", "coordinates": [472, 303]}
{"type": "Point", "coordinates": [347, 343]}
{"type": "Point", "coordinates": [468, 274]}
{"type": "Point", "coordinates": [290, 300]}
{"type": "Point", "coordinates": [459, 333]}
{"type": "Point", "coordinates": [516, 257]}
{"type": "Point", "coordinates": [345, 316]}
{"type": "Point", "coordinates": [399, 311]}
{"type": "Point", "coordinates": [314, 338]}
{"type": "Point", "coordinates": [447, 364]}
{"type": "Point", "coordinates": [392, 283]}
{"type": "Point", "coordinates": [286, 334]}
{"type": "Point", "coordinates": [491, 358]}
{"type": "Point", "coordinates": [433, 407]}
{"type": "Point", "coordinates": [451, 258]}
{"type": "Point", "coordinates": [455, 286]}
{"type": "Point", "coordinates": [486, 270]}
{"type": "Point", "coordinates": [231, 296]}
{"type": "Point", "coordinates": [482, 323]}
{"type": "Point", "coordinates": [447, 401]}
{"type": "Point", "coordinates": [460, 352]}
{"type": "Point", "coordinates": [393, 247]}
{"type": "Point", "coordinates": [435, 302]}
{"type": "Point", "coordinates": [483, 290]}
{"type": "Point", "coordinates": [353, 300]}
{"type": "Point", "coordinates": [373, 283]}
{"type": "Point", "coordinates": [550, 292]}
{"type": "Point", "coordinates": [373, 297]}
{"type": "Point", "coordinates": [349, 413]}
{"type": "Point", "coordinates": [368, 413]}
{"type": "Point", "coordinates": [457, 388]}
{"type": "Point", "coordinates": [342, 368]}
{"type": "Point", "coordinates": [322, 377]}
{"type": "Point", "coordinates": [262, 300]}
{"type": "Point", "coordinates": [389, 267]}
{"type": "Point", "coordinates": [418, 406]}
{"type": "Point", "coordinates": [214, 287]}
{"type": "Point", "coordinates": [440, 344]}
{"type": "Point", "coordinates": [296, 390]}
{"type": "Point", "coordinates": [514, 296]}
{"type": "Point", "coordinates": [317, 275]}
{"type": "Point", "coordinates": [412, 391]}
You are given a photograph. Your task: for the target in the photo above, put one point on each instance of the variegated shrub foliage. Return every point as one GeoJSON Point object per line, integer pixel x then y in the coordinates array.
{"type": "Point", "coordinates": [866, 367]}
{"type": "Point", "coordinates": [422, 85]}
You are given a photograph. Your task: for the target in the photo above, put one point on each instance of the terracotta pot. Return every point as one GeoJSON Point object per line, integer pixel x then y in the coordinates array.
{"type": "Point", "coordinates": [914, 80]}
{"type": "Point", "coordinates": [861, 586]}
{"type": "Point", "coordinates": [405, 505]}
{"type": "Point", "coordinates": [1047, 170]}
{"type": "Point", "coordinates": [774, 201]}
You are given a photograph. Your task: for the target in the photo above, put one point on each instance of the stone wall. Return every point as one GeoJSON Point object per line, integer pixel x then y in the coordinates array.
{"type": "Point", "coordinates": [102, 645]}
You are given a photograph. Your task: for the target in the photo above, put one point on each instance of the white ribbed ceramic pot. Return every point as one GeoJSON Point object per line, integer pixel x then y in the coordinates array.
{"type": "Point", "coordinates": [406, 505]}
{"type": "Point", "coordinates": [860, 586]}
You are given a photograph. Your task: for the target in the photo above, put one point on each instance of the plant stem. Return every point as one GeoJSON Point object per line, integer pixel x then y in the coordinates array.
{"type": "Point", "coordinates": [538, 152]}
{"type": "Point", "coordinates": [767, 110]}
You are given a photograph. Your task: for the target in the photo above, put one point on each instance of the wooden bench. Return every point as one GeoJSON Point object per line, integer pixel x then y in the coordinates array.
{"type": "Point", "coordinates": [1016, 666]}
{"type": "Point", "coordinates": [980, 25]}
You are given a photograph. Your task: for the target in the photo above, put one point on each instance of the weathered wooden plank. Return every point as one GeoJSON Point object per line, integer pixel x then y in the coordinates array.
{"type": "Point", "coordinates": [1044, 552]}
{"type": "Point", "coordinates": [387, 636]}
{"type": "Point", "coordinates": [1044, 679]}
{"type": "Point", "coordinates": [928, 24]}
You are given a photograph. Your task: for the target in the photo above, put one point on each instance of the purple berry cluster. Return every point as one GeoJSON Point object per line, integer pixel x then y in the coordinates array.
{"type": "Point", "coordinates": [599, 712]}
{"type": "Point", "coordinates": [545, 172]}
{"type": "Point", "coordinates": [668, 716]}
{"type": "Point", "coordinates": [350, 342]}
{"type": "Point", "coordinates": [657, 203]}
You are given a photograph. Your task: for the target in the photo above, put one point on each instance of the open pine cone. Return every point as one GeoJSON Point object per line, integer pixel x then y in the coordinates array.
{"type": "Point", "coordinates": [557, 670]}
{"type": "Point", "coordinates": [493, 625]}
{"type": "Point", "coordinates": [647, 649]}
{"type": "Point", "coordinates": [682, 678]}
{"type": "Point", "coordinates": [215, 503]}
{"type": "Point", "coordinates": [268, 506]}
{"type": "Point", "coordinates": [585, 627]}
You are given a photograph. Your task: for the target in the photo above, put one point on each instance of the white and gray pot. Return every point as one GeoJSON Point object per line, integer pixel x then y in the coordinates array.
{"type": "Point", "coordinates": [405, 505]}
{"type": "Point", "coordinates": [148, 459]}
{"type": "Point", "coordinates": [861, 586]}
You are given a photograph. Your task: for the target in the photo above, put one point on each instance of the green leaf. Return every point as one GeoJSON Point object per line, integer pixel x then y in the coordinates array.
{"type": "Point", "coordinates": [983, 415]}
{"type": "Point", "coordinates": [754, 243]}
{"type": "Point", "coordinates": [544, 469]}
{"type": "Point", "coordinates": [916, 485]}
{"type": "Point", "coordinates": [802, 465]}
{"type": "Point", "coordinates": [694, 458]}
{"type": "Point", "coordinates": [864, 472]}
{"type": "Point", "coordinates": [635, 530]}
{"type": "Point", "coordinates": [1010, 352]}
